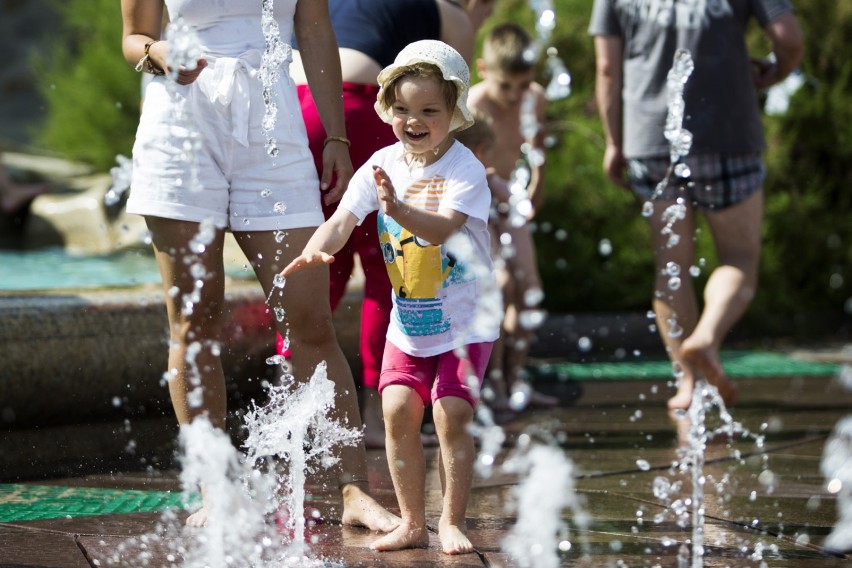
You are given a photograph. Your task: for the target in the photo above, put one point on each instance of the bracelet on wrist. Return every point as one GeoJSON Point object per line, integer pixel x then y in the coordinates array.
{"type": "Point", "coordinates": [145, 64]}
{"type": "Point", "coordinates": [341, 139]}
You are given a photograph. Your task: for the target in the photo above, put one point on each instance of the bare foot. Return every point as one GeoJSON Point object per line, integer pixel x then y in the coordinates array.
{"type": "Point", "coordinates": [404, 536]}
{"type": "Point", "coordinates": [704, 361]}
{"type": "Point", "coordinates": [198, 519]}
{"type": "Point", "coordinates": [541, 400]}
{"type": "Point", "coordinates": [683, 398]}
{"type": "Point", "coordinates": [361, 510]}
{"type": "Point", "coordinates": [453, 540]}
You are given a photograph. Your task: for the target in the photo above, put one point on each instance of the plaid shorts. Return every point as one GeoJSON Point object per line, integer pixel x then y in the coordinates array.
{"type": "Point", "coordinates": [709, 181]}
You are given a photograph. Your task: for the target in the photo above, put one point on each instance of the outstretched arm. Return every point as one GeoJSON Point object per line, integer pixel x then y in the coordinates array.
{"type": "Point", "coordinates": [434, 227]}
{"type": "Point", "coordinates": [325, 242]}
{"type": "Point", "coordinates": [788, 47]}
{"type": "Point", "coordinates": [608, 84]}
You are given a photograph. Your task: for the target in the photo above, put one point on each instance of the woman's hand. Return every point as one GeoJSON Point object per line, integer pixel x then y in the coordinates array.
{"type": "Point", "coordinates": [186, 76]}
{"type": "Point", "coordinates": [158, 54]}
{"type": "Point", "coordinates": [337, 163]}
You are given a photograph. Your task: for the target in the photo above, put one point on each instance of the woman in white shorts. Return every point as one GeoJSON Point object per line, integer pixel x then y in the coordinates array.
{"type": "Point", "coordinates": [204, 164]}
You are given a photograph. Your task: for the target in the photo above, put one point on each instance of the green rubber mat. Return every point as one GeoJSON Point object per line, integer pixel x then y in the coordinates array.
{"type": "Point", "coordinates": [39, 502]}
{"type": "Point", "coordinates": [736, 363]}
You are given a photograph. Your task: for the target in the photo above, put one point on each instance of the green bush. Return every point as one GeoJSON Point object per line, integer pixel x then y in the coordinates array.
{"type": "Point", "coordinates": [91, 93]}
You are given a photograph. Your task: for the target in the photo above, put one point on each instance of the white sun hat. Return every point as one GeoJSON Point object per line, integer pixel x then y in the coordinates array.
{"type": "Point", "coordinates": [445, 58]}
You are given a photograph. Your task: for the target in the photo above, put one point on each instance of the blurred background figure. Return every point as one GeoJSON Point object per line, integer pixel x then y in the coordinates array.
{"type": "Point", "coordinates": [721, 177]}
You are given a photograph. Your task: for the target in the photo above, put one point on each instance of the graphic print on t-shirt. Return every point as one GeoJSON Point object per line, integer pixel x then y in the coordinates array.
{"type": "Point", "coordinates": [418, 270]}
{"type": "Point", "coordinates": [681, 14]}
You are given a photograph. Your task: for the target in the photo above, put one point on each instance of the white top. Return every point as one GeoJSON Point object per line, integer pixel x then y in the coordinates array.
{"type": "Point", "coordinates": [434, 294]}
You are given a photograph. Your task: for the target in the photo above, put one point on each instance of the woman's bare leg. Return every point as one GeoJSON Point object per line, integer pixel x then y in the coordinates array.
{"type": "Point", "coordinates": [195, 377]}
{"type": "Point", "coordinates": [729, 290]}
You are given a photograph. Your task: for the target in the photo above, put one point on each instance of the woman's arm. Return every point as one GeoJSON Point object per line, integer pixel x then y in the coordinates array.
{"type": "Point", "coordinates": [318, 50]}
{"type": "Point", "coordinates": [142, 23]}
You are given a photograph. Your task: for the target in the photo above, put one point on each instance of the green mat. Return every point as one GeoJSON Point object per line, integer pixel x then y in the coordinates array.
{"type": "Point", "coordinates": [39, 502]}
{"type": "Point", "coordinates": [737, 364]}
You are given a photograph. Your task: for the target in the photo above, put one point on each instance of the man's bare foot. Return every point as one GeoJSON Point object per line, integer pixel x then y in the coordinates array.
{"type": "Point", "coordinates": [683, 397]}
{"type": "Point", "coordinates": [198, 519]}
{"type": "Point", "coordinates": [404, 536]}
{"type": "Point", "coordinates": [453, 540]}
{"type": "Point", "coordinates": [361, 510]}
{"type": "Point", "coordinates": [705, 362]}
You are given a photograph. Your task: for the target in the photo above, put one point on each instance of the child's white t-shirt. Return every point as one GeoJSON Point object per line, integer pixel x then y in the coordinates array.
{"type": "Point", "coordinates": [434, 293]}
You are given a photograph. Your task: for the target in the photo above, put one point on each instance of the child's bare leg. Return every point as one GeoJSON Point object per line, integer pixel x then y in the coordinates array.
{"type": "Point", "coordinates": [313, 339]}
{"type": "Point", "coordinates": [452, 416]}
{"type": "Point", "coordinates": [676, 307]}
{"type": "Point", "coordinates": [729, 290]}
{"type": "Point", "coordinates": [403, 411]}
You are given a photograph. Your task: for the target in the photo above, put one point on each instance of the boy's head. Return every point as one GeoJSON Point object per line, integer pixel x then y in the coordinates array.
{"type": "Point", "coordinates": [428, 59]}
{"type": "Point", "coordinates": [479, 138]}
{"type": "Point", "coordinates": [507, 66]}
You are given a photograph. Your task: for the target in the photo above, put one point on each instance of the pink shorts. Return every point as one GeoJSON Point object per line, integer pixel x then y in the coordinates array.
{"type": "Point", "coordinates": [437, 376]}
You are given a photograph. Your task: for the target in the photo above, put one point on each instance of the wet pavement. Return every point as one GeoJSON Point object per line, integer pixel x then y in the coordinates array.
{"type": "Point", "coordinates": [773, 509]}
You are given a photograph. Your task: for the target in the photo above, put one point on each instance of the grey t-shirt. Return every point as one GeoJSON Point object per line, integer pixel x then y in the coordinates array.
{"type": "Point", "coordinates": [721, 103]}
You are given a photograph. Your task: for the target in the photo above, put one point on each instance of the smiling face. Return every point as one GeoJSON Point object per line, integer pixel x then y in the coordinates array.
{"type": "Point", "coordinates": [422, 115]}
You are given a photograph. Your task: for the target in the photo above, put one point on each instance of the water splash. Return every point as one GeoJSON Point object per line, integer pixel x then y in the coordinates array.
{"type": "Point", "coordinates": [122, 175]}
{"type": "Point", "coordinates": [184, 52]}
{"type": "Point", "coordinates": [275, 55]}
{"type": "Point", "coordinates": [236, 533]}
{"type": "Point", "coordinates": [295, 426]}
{"type": "Point", "coordinates": [690, 511]}
{"type": "Point", "coordinates": [545, 491]}
{"type": "Point", "coordinates": [836, 467]}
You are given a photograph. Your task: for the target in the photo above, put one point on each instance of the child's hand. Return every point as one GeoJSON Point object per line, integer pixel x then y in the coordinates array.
{"type": "Point", "coordinates": [387, 194]}
{"type": "Point", "coordinates": [307, 260]}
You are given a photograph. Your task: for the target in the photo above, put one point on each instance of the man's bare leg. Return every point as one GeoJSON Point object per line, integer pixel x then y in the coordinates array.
{"type": "Point", "coordinates": [729, 290]}
{"type": "Point", "coordinates": [675, 307]}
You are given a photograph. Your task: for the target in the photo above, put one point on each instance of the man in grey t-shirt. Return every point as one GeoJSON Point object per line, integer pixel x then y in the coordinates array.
{"type": "Point", "coordinates": [722, 176]}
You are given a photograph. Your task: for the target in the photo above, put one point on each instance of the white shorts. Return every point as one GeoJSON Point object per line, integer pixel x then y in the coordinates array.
{"type": "Point", "coordinates": [239, 185]}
